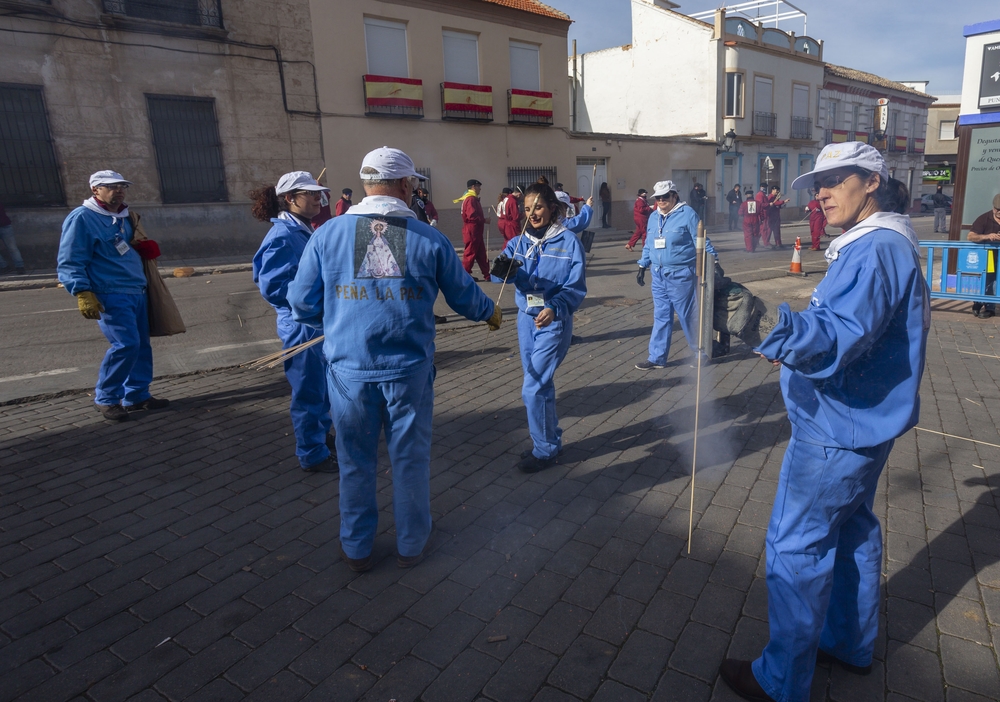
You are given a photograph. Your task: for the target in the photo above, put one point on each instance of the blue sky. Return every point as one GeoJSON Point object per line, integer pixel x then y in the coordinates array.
{"type": "Point", "coordinates": [922, 41]}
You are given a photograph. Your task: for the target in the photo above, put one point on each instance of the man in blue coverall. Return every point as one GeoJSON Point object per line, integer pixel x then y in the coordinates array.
{"type": "Point", "coordinates": [670, 251]}
{"type": "Point", "coordinates": [581, 221]}
{"type": "Point", "coordinates": [97, 264]}
{"type": "Point", "coordinates": [298, 199]}
{"type": "Point", "coordinates": [850, 374]}
{"type": "Point", "coordinates": [369, 279]}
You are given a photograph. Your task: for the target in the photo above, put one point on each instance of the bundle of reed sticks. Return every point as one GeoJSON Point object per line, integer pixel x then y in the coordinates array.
{"type": "Point", "coordinates": [279, 357]}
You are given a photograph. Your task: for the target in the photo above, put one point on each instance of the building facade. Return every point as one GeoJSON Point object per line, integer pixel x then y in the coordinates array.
{"type": "Point", "coordinates": [941, 148]}
{"type": "Point", "coordinates": [847, 106]}
{"type": "Point", "coordinates": [689, 79]}
{"type": "Point", "coordinates": [195, 101]}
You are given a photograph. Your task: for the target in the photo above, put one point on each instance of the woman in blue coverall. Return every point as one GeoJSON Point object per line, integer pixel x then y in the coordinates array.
{"type": "Point", "coordinates": [670, 251]}
{"type": "Point", "coordinates": [850, 374]}
{"type": "Point", "coordinates": [289, 206]}
{"type": "Point", "coordinates": [546, 266]}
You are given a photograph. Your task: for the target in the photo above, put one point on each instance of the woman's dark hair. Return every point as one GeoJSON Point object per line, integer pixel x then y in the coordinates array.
{"type": "Point", "coordinates": [548, 196]}
{"type": "Point", "coordinates": [891, 196]}
{"type": "Point", "coordinates": [542, 180]}
{"type": "Point", "coordinates": [266, 203]}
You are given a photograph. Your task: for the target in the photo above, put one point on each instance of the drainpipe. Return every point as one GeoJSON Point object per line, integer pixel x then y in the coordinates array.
{"type": "Point", "coordinates": [573, 122]}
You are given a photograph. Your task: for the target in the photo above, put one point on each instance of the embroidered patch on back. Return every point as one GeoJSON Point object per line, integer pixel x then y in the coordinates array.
{"type": "Point", "coordinates": [380, 247]}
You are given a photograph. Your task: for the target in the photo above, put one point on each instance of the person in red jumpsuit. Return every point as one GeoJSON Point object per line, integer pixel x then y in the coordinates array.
{"type": "Point", "coordinates": [751, 222]}
{"type": "Point", "coordinates": [774, 205]}
{"type": "Point", "coordinates": [510, 221]}
{"type": "Point", "coordinates": [473, 221]}
{"type": "Point", "coordinates": [817, 223]}
{"type": "Point", "coordinates": [640, 214]}
{"type": "Point", "coordinates": [344, 203]}
{"type": "Point", "coordinates": [763, 222]}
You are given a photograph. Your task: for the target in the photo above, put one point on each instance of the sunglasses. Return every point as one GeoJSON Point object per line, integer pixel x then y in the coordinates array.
{"type": "Point", "coordinates": [114, 186]}
{"type": "Point", "coordinates": [831, 181]}
{"type": "Point", "coordinates": [660, 198]}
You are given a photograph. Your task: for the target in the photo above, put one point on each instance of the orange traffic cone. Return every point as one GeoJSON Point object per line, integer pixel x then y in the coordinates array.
{"type": "Point", "coordinates": [796, 267]}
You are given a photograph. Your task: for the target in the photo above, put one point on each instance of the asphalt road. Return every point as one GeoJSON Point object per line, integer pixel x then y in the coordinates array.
{"type": "Point", "coordinates": [48, 347]}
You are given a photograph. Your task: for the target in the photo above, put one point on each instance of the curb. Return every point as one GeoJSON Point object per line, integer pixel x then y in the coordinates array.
{"type": "Point", "coordinates": [40, 281]}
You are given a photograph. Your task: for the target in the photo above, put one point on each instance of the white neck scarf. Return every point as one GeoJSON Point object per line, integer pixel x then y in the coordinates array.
{"type": "Point", "coordinates": [554, 230]}
{"type": "Point", "coordinates": [880, 220]}
{"type": "Point", "coordinates": [384, 205]}
{"type": "Point", "coordinates": [292, 219]}
{"type": "Point", "coordinates": [91, 204]}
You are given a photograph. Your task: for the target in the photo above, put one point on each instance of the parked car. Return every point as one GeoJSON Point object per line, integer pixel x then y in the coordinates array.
{"type": "Point", "coordinates": [927, 203]}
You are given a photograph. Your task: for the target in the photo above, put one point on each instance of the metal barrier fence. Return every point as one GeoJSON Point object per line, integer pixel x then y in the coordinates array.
{"type": "Point", "coordinates": [974, 278]}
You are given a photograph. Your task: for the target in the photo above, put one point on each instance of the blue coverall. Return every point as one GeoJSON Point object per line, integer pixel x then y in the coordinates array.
{"type": "Point", "coordinates": [274, 267]}
{"type": "Point", "coordinates": [851, 367]}
{"type": "Point", "coordinates": [670, 251]}
{"type": "Point", "coordinates": [554, 274]}
{"type": "Point", "coordinates": [89, 260]}
{"type": "Point", "coordinates": [380, 348]}
{"type": "Point", "coordinates": [580, 222]}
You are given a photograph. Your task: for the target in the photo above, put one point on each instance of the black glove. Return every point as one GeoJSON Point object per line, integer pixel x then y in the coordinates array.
{"type": "Point", "coordinates": [640, 277]}
{"type": "Point", "coordinates": [505, 268]}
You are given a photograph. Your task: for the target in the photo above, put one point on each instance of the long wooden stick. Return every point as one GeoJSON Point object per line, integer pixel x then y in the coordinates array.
{"type": "Point", "coordinates": [321, 174]}
{"type": "Point", "coordinates": [274, 359]}
{"type": "Point", "coordinates": [523, 227]}
{"type": "Point", "coordinates": [697, 385]}
{"type": "Point", "coordinates": [952, 436]}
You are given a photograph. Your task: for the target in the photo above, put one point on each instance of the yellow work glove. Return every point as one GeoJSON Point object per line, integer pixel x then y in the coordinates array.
{"type": "Point", "coordinates": [494, 321]}
{"type": "Point", "coordinates": [90, 306]}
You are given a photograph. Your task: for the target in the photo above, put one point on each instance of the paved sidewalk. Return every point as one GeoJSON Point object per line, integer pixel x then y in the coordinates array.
{"type": "Point", "coordinates": [183, 556]}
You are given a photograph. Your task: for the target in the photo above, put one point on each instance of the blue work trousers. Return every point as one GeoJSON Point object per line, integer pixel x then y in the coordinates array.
{"type": "Point", "coordinates": [824, 562]}
{"type": "Point", "coordinates": [542, 350]}
{"type": "Point", "coordinates": [673, 291]}
{"type": "Point", "coordinates": [310, 406]}
{"type": "Point", "coordinates": [127, 368]}
{"type": "Point", "coordinates": [405, 409]}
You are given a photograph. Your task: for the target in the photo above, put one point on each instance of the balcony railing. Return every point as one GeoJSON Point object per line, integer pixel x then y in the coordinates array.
{"type": "Point", "coordinates": [466, 103]}
{"type": "Point", "coordinates": [896, 144]}
{"type": "Point", "coordinates": [836, 136]}
{"type": "Point", "coordinates": [765, 124]}
{"type": "Point", "coordinates": [389, 96]}
{"type": "Point", "coordinates": [529, 107]}
{"type": "Point", "coordinates": [802, 128]}
{"type": "Point", "coordinates": [200, 13]}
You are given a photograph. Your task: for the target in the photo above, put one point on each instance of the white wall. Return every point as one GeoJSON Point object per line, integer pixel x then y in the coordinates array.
{"type": "Point", "coordinates": [666, 83]}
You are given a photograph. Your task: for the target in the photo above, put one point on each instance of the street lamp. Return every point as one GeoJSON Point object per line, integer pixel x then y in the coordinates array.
{"type": "Point", "coordinates": [728, 141]}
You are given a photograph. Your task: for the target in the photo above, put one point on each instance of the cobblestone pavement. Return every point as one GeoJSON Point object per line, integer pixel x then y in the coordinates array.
{"type": "Point", "coordinates": [183, 556]}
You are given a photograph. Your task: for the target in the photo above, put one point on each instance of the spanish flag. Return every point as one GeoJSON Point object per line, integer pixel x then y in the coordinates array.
{"type": "Point", "coordinates": [530, 102]}
{"type": "Point", "coordinates": [901, 143]}
{"type": "Point", "coordinates": [386, 91]}
{"type": "Point", "coordinates": [838, 136]}
{"type": "Point", "coordinates": [463, 97]}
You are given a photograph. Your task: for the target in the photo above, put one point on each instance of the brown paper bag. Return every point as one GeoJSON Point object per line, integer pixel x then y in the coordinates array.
{"type": "Point", "coordinates": [164, 317]}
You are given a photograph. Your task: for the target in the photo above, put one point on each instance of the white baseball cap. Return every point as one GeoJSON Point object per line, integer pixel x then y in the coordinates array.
{"type": "Point", "coordinates": [108, 178]}
{"type": "Point", "coordinates": [848, 153]}
{"type": "Point", "coordinates": [563, 196]}
{"type": "Point", "coordinates": [389, 164]}
{"type": "Point", "coordinates": [664, 187]}
{"type": "Point", "coordinates": [297, 180]}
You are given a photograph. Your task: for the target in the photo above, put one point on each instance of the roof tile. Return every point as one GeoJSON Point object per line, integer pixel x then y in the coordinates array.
{"type": "Point", "coordinates": [533, 6]}
{"type": "Point", "coordinates": [872, 79]}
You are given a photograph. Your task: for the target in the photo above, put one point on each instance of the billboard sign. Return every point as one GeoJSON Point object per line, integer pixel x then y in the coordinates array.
{"type": "Point", "coordinates": [989, 83]}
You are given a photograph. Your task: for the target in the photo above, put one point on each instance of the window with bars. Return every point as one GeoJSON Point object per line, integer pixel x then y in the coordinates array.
{"type": "Point", "coordinates": [207, 13]}
{"type": "Point", "coordinates": [29, 172]}
{"type": "Point", "coordinates": [525, 176]}
{"type": "Point", "coordinates": [188, 149]}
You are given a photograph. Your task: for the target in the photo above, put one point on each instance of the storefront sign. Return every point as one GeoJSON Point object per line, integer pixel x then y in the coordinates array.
{"type": "Point", "coordinates": [941, 173]}
{"type": "Point", "coordinates": [989, 84]}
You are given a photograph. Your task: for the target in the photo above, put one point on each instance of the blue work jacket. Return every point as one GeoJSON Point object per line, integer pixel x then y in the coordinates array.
{"type": "Point", "coordinates": [88, 259]}
{"type": "Point", "coordinates": [852, 360]}
{"type": "Point", "coordinates": [370, 282]}
{"type": "Point", "coordinates": [678, 231]}
{"type": "Point", "coordinates": [277, 261]}
{"type": "Point", "coordinates": [555, 269]}
{"type": "Point", "coordinates": [581, 221]}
